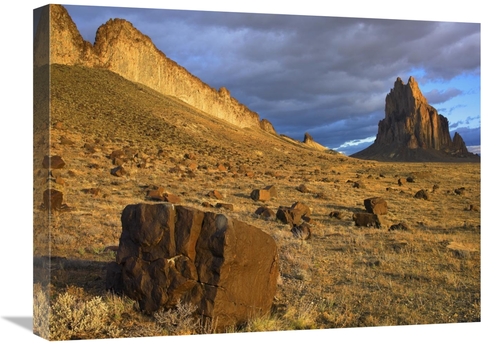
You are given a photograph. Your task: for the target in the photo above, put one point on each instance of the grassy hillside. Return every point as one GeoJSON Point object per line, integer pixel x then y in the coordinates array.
{"type": "Point", "coordinates": [427, 271]}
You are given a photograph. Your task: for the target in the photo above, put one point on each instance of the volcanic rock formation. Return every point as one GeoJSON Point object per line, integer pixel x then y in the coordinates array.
{"type": "Point", "coordinates": [309, 141]}
{"type": "Point", "coordinates": [122, 49]}
{"type": "Point", "coordinates": [412, 130]}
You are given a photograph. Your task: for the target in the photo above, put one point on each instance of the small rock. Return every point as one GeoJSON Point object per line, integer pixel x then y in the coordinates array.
{"type": "Point", "coordinates": [53, 162]}
{"type": "Point", "coordinates": [215, 194]}
{"type": "Point", "coordinates": [359, 184]}
{"type": "Point", "coordinates": [229, 207]}
{"type": "Point", "coordinates": [119, 171]}
{"type": "Point", "coordinates": [260, 195]}
{"type": "Point", "coordinates": [366, 219]}
{"type": "Point", "coordinates": [303, 189]}
{"type": "Point", "coordinates": [474, 208]}
{"type": "Point", "coordinates": [272, 191]}
{"type": "Point", "coordinates": [303, 231]}
{"type": "Point", "coordinates": [422, 194]}
{"type": "Point", "coordinates": [265, 212]}
{"type": "Point", "coordinates": [172, 198]}
{"type": "Point", "coordinates": [399, 226]}
{"type": "Point", "coordinates": [52, 199]}
{"type": "Point", "coordinates": [376, 205]}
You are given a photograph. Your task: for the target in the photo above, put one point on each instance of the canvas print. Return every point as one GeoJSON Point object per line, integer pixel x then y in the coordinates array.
{"type": "Point", "coordinates": [202, 172]}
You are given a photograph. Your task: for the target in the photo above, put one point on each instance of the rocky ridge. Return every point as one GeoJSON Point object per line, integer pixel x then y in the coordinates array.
{"type": "Point", "coordinates": [412, 130]}
{"type": "Point", "coordinates": [121, 48]}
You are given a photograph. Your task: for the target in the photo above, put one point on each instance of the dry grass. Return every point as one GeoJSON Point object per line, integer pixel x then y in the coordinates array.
{"type": "Point", "coordinates": [344, 276]}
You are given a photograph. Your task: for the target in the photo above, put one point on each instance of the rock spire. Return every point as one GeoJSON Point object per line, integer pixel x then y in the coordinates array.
{"type": "Point", "coordinates": [412, 130]}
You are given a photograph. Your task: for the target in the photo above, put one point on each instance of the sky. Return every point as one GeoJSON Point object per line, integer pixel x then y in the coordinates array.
{"type": "Point", "coordinates": [324, 75]}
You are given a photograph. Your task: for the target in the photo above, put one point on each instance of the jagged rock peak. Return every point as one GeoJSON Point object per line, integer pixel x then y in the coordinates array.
{"type": "Point", "coordinates": [412, 130]}
{"type": "Point", "coordinates": [309, 141]}
{"type": "Point", "coordinates": [307, 138]}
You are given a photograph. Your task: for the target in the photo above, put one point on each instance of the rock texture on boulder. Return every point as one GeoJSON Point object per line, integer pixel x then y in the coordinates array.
{"type": "Point", "coordinates": [412, 130]}
{"type": "Point", "coordinates": [169, 254]}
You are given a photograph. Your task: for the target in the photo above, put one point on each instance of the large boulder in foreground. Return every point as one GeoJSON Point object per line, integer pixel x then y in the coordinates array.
{"type": "Point", "coordinates": [169, 254]}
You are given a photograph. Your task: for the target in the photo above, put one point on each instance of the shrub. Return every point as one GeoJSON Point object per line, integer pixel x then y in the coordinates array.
{"type": "Point", "coordinates": [72, 318]}
{"type": "Point", "coordinates": [178, 321]}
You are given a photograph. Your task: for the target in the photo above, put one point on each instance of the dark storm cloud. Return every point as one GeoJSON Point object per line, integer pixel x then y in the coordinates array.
{"type": "Point", "coordinates": [324, 75]}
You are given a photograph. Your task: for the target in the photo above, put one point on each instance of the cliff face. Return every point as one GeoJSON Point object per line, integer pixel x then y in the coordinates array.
{"type": "Point", "coordinates": [412, 130]}
{"type": "Point", "coordinates": [121, 48]}
{"type": "Point", "coordinates": [410, 121]}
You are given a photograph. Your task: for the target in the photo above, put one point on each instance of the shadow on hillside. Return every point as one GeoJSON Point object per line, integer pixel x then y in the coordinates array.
{"type": "Point", "coordinates": [61, 273]}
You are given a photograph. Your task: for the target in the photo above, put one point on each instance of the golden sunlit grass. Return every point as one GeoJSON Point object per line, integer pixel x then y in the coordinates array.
{"type": "Point", "coordinates": [344, 276]}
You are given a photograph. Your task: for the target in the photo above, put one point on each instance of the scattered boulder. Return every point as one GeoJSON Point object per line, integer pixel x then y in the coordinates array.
{"type": "Point", "coordinates": [265, 212]}
{"type": "Point", "coordinates": [168, 254]}
{"type": "Point", "coordinates": [341, 215]}
{"type": "Point", "coordinates": [53, 162]}
{"type": "Point", "coordinates": [272, 191]}
{"type": "Point", "coordinates": [366, 219]}
{"type": "Point", "coordinates": [410, 179]}
{"type": "Point", "coordinates": [172, 198]}
{"type": "Point", "coordinates": [302, 231]}
{"type": "Point", "coordinates": [90, 148]}
{"type": "Point", "coordinates": [260, 195]}
{"type": "Point", "coordinates": [304, 209]}
{"type": "Point", "coordinates": [119, 171]}
{"type": "Point", "coordinates": [399, 226]}
{"type": "Point", "coordinates": [92, 191]}
{"type": "Point", "coordinates": [293, 215]}
{"type": "Point", "coordinates": [473, 208]}
{"type": "Point", "coordinates": [215, 194]}
{"type": "Point", "coordinates": [359, 184]}
{"type": "Point", "coordinates": [303, 189]}
{"type": "Point", "coordinates": [190, 156]}
{"type": "Point", "coordinates": [229, 207]}
{"type": "Point", "coordinates": [376, 205]}
{"type": "Point", "coordinates": [156, 194]}
{"type": "Point", "coordinates": [160, 194]}
{"type": "Point", "coordinates": [460, 191]}
{"type": "Point", "coordinates": [401, 182]}
{"type": "Point", "coordinates": [66, 141]}
{"type": "Point", "coordinates": [52, 199]}
{"type": "Point", "coordinates": [422, 194]}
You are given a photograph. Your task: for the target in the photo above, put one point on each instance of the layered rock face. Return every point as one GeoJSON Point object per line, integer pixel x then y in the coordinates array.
{"type": "Point", "coordinates": [121, 48]}
{"type": "Point", "coordinates": [170, 254]}
{"type": "Point", "coordinates": [412, 130]}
